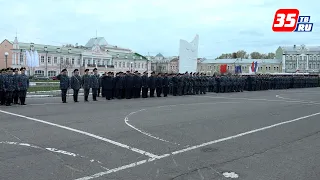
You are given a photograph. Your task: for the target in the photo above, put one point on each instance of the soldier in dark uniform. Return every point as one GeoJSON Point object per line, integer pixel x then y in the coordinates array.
{"type": "Point", "coordinates": [137, 84]}
{"type": "Point", "coordinates": [16, 90]}
{"type": "Point", "coordinates": [165, 85]}
{"type": "Point", "coordinates": [86, 84]}
{"type": "Point", "coordinates": [174, 80]}
{"type": "Point", "coordinates": [95, 84]}
{"type": "Point", "coordinates": [119, 85]}
{"type": "Point", "coordinates": [180, 85]}
{"type": "Point", "coordinates": [159, 85]}
{"type": "Point", "coordinates": [152, 84]}
{"type": "Point", "coordinates": [170, 84]}
{"type": "Point", "coordinates": [76, 83]}
{"type": "Point", "coordinates": [144, 84]}
{"type": "Point", "coordinates": [9, 86]}
{"type": "Point", "coordinates": [102, 90]}
{"type": "Point", "coordinates": [2, 86]}
{"type": "Point", "coordinates": [64, 84]}
{"type": "Point", "coordinates": [114, 86]}
{"type": "Point", "coordinates": [129, 85]}
{"type": "Point", "coordinates": [23, 84]}
{"type": "Point", "coordinates": [107, 85]}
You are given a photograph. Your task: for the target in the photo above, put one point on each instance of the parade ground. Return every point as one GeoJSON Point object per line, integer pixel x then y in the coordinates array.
{"type": "Point", "coordinates": [261, 135]}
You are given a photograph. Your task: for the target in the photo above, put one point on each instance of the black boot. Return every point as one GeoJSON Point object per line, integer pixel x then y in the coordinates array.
{"type": "Point", "coordinates": [94, 98]}
{"type": "Point", "coordinates": [86, 98]}
{"type": "Point", "coordinates": [64, 99]}
{"type": "Point", "coordinates": [75, 98]}
{"type": "Point", "coordinates": [23, 101]}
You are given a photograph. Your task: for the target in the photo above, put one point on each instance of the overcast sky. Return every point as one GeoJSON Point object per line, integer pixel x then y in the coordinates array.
{"type": "Point", "coordinates": [156, 26]}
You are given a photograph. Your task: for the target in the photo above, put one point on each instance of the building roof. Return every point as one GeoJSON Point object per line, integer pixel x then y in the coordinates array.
{"type": "Point", "coordinates": [41, 48]}
{"type": "Point", "coordinates": [174, 59]}
{"type": "Point", "coordinates": [98, 40]}
{"type": "Point", "coordinates": [159, 55]}
{"type": "Point", "coordinates": [242, 61]}
{"type": "Point", "coordinates": [299, 48]}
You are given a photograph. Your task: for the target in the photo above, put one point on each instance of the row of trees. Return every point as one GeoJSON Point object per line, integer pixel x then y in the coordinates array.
{"type": "Point", "coordinates": [243, 54]}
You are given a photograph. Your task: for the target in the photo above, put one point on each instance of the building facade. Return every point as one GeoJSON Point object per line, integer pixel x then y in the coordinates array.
{"type": "Point", "coordinates": [212, 66]}
{"type": "Point", "coordinates": [95, 54]}
{"type": "Point", "coordinates": [6, 54]}
{"type": "Point", "coordinates": [303, 59]}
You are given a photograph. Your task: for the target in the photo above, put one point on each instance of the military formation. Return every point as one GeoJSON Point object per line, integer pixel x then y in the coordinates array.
{"type": "Point", "coordinates": [13, 86]}
{"type": "Point", "coordinates": [135, 85]}
{"type": "Point", "coordinates": [127, 85]}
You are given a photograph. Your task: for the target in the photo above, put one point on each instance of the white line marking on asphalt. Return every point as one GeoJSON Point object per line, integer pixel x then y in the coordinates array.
{"type": "Point", "coordinates": [126, 119]}
{"type": "Point", "coordinates": [231, 175]}
{"type": "Point", "coordinates": [84, 133]}
{"type": "Point", "coordinates": [97, 175]}
{"type": "Point", "coordinates": [53, 150]}
{"type": "Point", "coordinates": [302, 101]}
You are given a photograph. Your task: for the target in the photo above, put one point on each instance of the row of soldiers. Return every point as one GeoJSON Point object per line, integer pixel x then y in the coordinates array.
{"type": "Point", "coordinates": [132, 85]}
{"type": "Point", "coordinates": [13, 86]}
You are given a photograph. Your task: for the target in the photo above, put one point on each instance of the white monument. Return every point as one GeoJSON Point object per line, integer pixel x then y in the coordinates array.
{"type": "Point", "coordinates": [188, 55]}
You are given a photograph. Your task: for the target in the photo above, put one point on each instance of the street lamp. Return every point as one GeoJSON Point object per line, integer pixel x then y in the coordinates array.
{"type": "Point", "coordinates": [6, 54]}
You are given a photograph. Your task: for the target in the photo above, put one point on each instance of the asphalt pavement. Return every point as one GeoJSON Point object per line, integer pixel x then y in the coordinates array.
{"type": "Point", "coordinates": [263, 135]}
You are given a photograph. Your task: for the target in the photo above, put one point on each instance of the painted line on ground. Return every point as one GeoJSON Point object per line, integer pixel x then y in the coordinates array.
{"type": "Point", "coordinates": [100, 174]}
{"type": "Point", "coordinates": [84, 133]}
{"type": "Point", "coordinates": [126, 119]}
{"type": "Point", "coordinates": [302, 101]}
{"type": "Point", "coordinates": [54, 150]}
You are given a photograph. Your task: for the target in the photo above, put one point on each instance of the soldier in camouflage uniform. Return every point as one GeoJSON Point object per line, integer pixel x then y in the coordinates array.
{"type": "Point", "coordinates": [76, 83]}
{"type": "Point", "coordinates": [64, 84]}
{"type": "Point", "coordinates": [86, 84]}
{"type": "Point", "coordinates": [95, 84]}
{"type": "Point", "coordinates": [23, 85]}
{"type": "Point", "coordinates": [2, 87]}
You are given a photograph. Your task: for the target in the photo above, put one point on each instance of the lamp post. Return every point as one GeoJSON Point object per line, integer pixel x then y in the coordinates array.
{"type": "Point", "coordinates": [46, 50]}
{"type": "Point", "coordinates": [6, 54]}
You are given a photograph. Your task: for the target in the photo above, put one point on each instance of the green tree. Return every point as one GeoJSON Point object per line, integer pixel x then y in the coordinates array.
{"type": "Point", "coordinates": [256, 55]}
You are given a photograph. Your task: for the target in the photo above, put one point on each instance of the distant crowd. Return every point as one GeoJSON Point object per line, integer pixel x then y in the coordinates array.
{"type": "Point", "coordinates": [127, 85]}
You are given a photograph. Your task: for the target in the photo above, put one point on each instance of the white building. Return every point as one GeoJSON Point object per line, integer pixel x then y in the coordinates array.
{"type": "Point", "coordinates": [161, 64]}
{"type": "Point", "coordinates": [304, 59]}
{"type": "Point", "coordinates": [97, 53]}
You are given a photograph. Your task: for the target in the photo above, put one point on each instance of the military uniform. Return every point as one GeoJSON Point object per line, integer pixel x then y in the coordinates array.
{"type": "Point", "coordinates": [129, 85]}
{"type": "Point", "coordinates": [23, 85]}
{"type": "Point", "coordinates": [2, 87]}
{"type": "Point", "coordinates": [86, 84]}
{"type": "Point", "coordinates": [165, 85]}
{"type": "Point", "coordinates": [107, 85]}
{"type": "Point", "coordinates": [159, 85]}
{"type": "Point", "coordinates": [119, 85]}
{"type": "Point", "coordinates": [76, 83]}
{"type": "Point", "coordinates": [16, 90]}
{"type": "Point", "coordinates": [9, 86]}
{"type": "Point", "coordinates": [137, 81]}
{"type": "Point", "coordinates": [95, 84]}
{"type": "Point", "coordinates": [152, 84]}
{"type": "Point", "coordinates": [64, 85]}
{"type": "Point", "coordinates": [144, 85]}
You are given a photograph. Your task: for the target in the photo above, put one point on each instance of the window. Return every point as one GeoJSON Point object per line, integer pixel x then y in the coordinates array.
{"type": "Point", "coordinates": [318, 65]}
{"type": "Point", "coordinates": [42, 59]}
{"type": "Point", "coordinates": [124, 64]}
{"type": "Point", "coordinates": [67, 60]}
{"type": "Point", "coordinates": [309, 65]}
{"type": "Point", "coordinates": [269, 68]}
{"type": "Point", "coordinates": [228, 67]}
{"type": "Point", "coordinates": [274, 68]}
{"type": "Point", "coordinates": [49, 60]}
{"type": "Point", "coordinates": [79, 61]}
{"type": "Point", "coordinates": [115, 64]}
{"type": "Point", "coordinates": [61, 60]}
{"type": "Point", "coordinates": [51, 73]}
{"type": "Point", "coordinates": [72, 61]}
{"type": "Point", "coordinates": [39, 73]}
{"type": "Point", "coordinates": [120, 64]}
{"type": "Point", "coordinates": [142, 66]}
{"type": "Point", "coordinates": [277, 68]}
{"type": "Point", "coordinates": [295, 57]}
{"type": "Point", "coordinates": [294, 65]}
{"type": "Point", "coordinates": [94, 61]}
{"type": "Point", "coordinates": [55, 60]}
{"type": "Point", "coordinates": [287, 57]}
{"type": "Point", "coordinates": [266, 68]}
{"type": "Point", "coordinates": [135, 65]}
{"type": "Point", "coordinates": [305, 58]}
{"type": "Point", "coordinates": [311, 58]}
{"type": "Point", "coordinates": [300, 58]}
{"type": "Point", "coordinates": [21, 58]}
{"type": "Point", "coordinates": [314, 66]}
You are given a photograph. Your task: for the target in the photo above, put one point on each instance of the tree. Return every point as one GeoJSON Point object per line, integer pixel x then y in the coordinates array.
{"type": "Point", "coordinates": [241, 54]}
{"type": "Point", "coordinates": [271, 55]}
{"type": "Point", "coordinates": [256, 55]}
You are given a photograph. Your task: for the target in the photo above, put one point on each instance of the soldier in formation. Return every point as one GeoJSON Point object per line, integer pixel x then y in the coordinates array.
{"type": "Point", "coordinates": [13, 86]}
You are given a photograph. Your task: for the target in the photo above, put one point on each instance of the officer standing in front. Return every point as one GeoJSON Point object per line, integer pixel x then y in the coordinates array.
{"type": "Point", "coordinates": [23, 84]}
{"type": "Point", "coordinates": [95, 84]}
{"type": "Point", "coordinates": [64, 84]}
{"type": "Point", "coordinates": [76, 84]}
